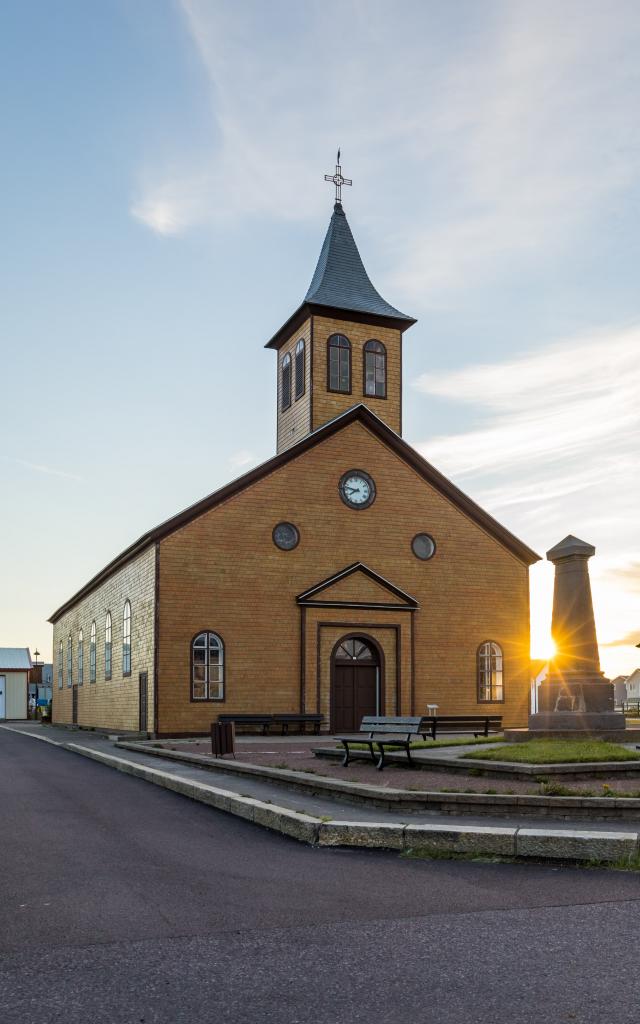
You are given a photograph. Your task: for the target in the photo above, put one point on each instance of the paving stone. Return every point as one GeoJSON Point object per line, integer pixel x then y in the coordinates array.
{"type": "Point", "coordinates": [300, 826]}
{"type": "Point", "coordinates": [220, 799]}
{"type": "Point", "coordinates": [243, 807]}
{"type": "Point", "coordinates": [385, 835]}
{"type": "Point", "coordinates": [573, 844]}
{"type": "Point", "coordinates": [471, 839]}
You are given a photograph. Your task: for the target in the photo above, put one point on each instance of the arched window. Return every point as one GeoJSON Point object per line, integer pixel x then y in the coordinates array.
{"type": "Point", "coordinates": [207, 667]}
{"type": "Point", "coordinates": [60, 665]}
{"type": "Point", "coordinates": [80, 658]}
{"type": "Point", "coordinates": [107, 646]}
{"type": "Point", "coordinates": [299, 367]}
{"type": "Point", "coordinates": [92, 654]}
{"type": "Point", "coordinates": [354, 650]}
{"type": "Point", "coordinates": [339, 364]}
{"type": "Point", "coordinates": [490, 683]}
{"type": "Point", "coordinates": [286, 382]}
{"type": "Point", "coordinates": [126, 639]}
{"type": "Point", "coordinates": [375, 369]}
{"type": "Point", "coordinates": [69, 661]}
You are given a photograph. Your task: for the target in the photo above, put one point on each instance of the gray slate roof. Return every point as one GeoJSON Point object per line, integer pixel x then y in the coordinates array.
{"type": "Point", "coordinates": [340, 279]}
{"type": "Point", "coordinates": [17, 658]}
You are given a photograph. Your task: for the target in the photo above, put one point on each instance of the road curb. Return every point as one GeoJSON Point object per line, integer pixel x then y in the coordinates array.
{"type": "Point", "coordinates": [396, 801]}
{"type": "Point", "coordinates": [541, 844]}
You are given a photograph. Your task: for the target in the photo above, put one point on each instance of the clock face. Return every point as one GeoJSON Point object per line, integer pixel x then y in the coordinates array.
{"type": "Point", "coordinates": [357, 489]}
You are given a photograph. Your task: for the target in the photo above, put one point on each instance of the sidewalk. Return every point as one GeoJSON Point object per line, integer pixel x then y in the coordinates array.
{"type": "Point", "coordinates": [321, 820]}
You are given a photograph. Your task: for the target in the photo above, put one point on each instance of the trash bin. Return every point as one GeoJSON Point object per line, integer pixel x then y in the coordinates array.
{"type": "Point", "coordinates": [223, 735]}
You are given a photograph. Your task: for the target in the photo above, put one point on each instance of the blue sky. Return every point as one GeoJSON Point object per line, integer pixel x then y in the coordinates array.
{"type": "Point", "coordinates": [164, 206]}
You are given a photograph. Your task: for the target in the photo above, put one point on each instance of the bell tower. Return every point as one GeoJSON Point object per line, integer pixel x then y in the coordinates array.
{"type": "Point", "coordinates": [343, 345]}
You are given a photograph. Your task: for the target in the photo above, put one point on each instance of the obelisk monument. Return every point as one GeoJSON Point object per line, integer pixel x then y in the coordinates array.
{"type": "Point", "coordinates": [575, 697]}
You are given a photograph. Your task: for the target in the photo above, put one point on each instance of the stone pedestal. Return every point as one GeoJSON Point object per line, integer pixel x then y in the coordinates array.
{"type": "Point", "coordinates": [575, 697]}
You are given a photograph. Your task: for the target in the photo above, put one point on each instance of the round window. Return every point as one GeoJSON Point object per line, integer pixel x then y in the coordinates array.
{"type": "Point", "coordinates": [286, 536]}
{"type": "Point", "coordinates": [423, 546]}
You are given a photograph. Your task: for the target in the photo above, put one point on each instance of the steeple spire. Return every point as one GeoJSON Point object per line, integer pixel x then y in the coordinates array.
{"type": "Point", "coordinates": [340, 284]}
{"type": "Point", "coordinates": [340, 279]}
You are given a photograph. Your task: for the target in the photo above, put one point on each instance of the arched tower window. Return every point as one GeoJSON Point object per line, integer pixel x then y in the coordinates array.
{"type": "Point", "coordinates": [92, 654]}
{"type": "Point", "coordinates": [375, 369]}
{"type": "Point", "coordinates": [126, 639]}
{"type": "Point", "coordinates": [339, 364]}
{"type": "Point", "coordinates": [490, 681]}
{"type": "Point", "coordinates": [80, 658]}
{"type": "Point", "coordinates": [60, 665]}
{"type": "Point", "coordinates": [207, 667]}
{"type": "Point", "coordinates": [107, 646]}
{"type": "Point", "coordinates": [286, 382]}
{"type": "Point", "coordinates": [299, 367]}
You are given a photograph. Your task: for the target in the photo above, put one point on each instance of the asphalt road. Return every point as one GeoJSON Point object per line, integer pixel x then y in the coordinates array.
{"type": "Point", "coordinates": [122, 902]}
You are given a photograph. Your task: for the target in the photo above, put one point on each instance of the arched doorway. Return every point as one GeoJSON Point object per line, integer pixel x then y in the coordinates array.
{"type": "Point", "coordinates": [356, 683]}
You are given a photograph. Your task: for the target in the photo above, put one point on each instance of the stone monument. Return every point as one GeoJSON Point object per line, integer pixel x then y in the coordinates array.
{"type": "Point", "coordinates": [575, 697]}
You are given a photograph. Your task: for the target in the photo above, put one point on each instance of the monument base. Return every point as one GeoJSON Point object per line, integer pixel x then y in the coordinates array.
{"type": "Point", "coordinates": [579, 706]}
{"type": "Point", "coordinates": [585, 722]}
{"type": "Point", "coordinates": [630, 735]}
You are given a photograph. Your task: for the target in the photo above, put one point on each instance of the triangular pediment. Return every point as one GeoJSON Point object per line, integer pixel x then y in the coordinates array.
{"type": "Point", "coordinates": [357, 586]}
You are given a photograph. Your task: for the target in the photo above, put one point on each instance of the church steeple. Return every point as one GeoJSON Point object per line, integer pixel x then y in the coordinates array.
{"type": "Point", "coordinates": [340, 280]}
{"type": "Point", "coordinates": [343, 344]}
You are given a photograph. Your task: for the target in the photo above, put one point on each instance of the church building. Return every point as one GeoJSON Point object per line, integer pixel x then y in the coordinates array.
{"type": "Point", "coordinates": [344, 576]}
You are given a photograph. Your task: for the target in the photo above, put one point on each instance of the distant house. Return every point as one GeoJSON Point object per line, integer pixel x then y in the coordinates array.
{"type": "Point", "coordinates": [41, 681]}
{"type": "Point", "coordinates": [633, 685]}
{"type": "Point", "coordinates": [15, 666]}
{"type": "Point", "coordinates": [619, 689]}
{"type": "Point", "coordinates": [538, 672]}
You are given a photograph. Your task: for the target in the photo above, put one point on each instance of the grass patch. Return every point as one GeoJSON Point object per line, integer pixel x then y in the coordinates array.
{"type": "Point", "coordinates": [431, 744]}
{"type": "Point", "coordinates": [557, 752]}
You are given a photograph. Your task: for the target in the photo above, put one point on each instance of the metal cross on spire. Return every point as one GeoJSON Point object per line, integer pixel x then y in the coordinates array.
{"type": "Point", "coordinates": [338, 179]}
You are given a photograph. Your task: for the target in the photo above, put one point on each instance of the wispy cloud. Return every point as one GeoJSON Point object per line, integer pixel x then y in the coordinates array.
{"type": "Point", "coordinates": [554, 450]}
{"type": "Point", "coordinates": [38, 468]}
{"type": "Point", "coordinates": [242, 458]}
{"type": "Point", "coordinates": [627, 576]}
{"type": "Point", "coordinates": [629, 640]}
{"type": "Point", "coordinates": [560, 403]}
{"type": "Point", "coordinates": [500, 144]}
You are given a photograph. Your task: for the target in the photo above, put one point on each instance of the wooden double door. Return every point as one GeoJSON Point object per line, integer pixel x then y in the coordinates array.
{"type": "Point", "coordinates": [355, 684]}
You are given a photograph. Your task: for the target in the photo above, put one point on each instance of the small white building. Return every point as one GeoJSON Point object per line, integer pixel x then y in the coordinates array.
{"type": "Point", "coordinates": [619, 690]}
{"type": "Point", "coordinates": [633, 685]}
{"type": "Point", "coordinates": [15, 665]}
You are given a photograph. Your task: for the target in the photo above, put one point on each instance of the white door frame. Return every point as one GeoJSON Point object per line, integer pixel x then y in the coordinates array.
{"type": "Point", "coordinates": [3, 696]}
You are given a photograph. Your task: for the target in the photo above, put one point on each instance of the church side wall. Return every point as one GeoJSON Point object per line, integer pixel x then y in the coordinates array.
{"type": "Point", "coordinates": [113, 703]}
{"type": "Point", "coordinates": [295, 422]}
{"type": "Point", "coordinates": [222, 572]}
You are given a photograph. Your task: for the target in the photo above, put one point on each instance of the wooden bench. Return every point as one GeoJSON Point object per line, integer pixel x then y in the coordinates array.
{"type": "Point", "coordinates": [263, 720]}
{"type": "Point", "coordinates": [301, 720]}
{"type": "Point", "coordinates": [284, 720]}
{"type": "Point", "coordinates": [381, 732]}
{"type": "Point", "coordinates": [479, 725]}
